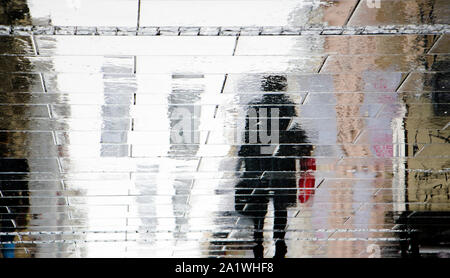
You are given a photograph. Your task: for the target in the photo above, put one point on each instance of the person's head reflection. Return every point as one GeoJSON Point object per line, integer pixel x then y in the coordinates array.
{"type": "Point", "coordinates": [269, 173]}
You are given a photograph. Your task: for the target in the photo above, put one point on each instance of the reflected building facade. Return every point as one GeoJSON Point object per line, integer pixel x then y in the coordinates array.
{"type": "Point", "coordinates": [14, 188]}
{"type": "Point", "coordinates": [425, 219]}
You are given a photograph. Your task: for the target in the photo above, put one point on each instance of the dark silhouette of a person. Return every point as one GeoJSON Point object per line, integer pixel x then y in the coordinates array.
{"type": "Point", "coordinates": [270, 175]}
{"type": "Point", "coordinates": [14, 203]}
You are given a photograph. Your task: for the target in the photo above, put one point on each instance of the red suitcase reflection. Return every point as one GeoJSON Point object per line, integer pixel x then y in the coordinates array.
{"type": "Point", "coordinates": [307, 179]}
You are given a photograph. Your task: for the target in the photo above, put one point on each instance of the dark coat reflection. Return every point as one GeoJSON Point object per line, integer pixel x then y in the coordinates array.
{"type": "Point", "coordinates": [268, 176]}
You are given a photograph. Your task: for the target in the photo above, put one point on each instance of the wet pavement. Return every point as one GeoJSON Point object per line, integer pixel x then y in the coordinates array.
{"type": "Point", "coordinates": [120, 143]}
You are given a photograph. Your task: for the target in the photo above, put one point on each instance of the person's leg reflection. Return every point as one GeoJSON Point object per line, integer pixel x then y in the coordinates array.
{"type": "Point", "coordinates": [279, 226]}
{"type": "Point", "coordinates": [258, 249]}
{"type": "Point", "coordinates": [258, 210]}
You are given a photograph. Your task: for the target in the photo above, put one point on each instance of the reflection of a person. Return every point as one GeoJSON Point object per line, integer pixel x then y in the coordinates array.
{"type": "Point", "coordinates": [14, 196]}
{"type": "Point", "coordinates": [256, 187]}
{"type": "Point", "coordinates": [184, 119]}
